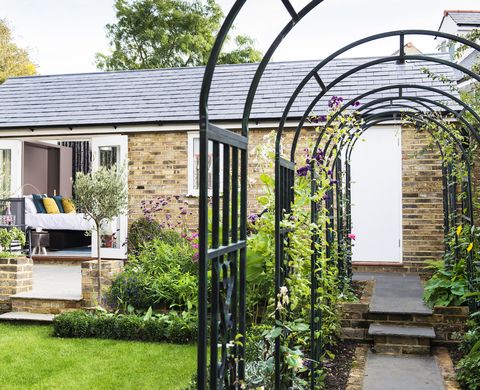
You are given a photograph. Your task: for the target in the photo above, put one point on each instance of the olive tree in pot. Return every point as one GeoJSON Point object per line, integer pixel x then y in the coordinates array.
{"type": "Point", "coordinates": [101, 195]}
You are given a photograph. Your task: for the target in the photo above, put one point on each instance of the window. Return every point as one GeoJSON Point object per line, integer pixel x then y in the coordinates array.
{"type": "Point", "coordinates": [194, 164]}
{"type": "Point", "coordinates": [5, 172]}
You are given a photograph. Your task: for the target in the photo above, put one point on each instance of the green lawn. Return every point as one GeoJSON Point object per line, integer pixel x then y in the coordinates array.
{"type": "Point", "coordinates": [30, 358]}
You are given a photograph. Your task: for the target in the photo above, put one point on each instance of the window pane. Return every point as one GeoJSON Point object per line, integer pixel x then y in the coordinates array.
{"type": "Point", "coordinates": [108, 156]}
{"type": "Point", "coordinates": [5, 172]}
{"type": "Point", "coordinates": [196, 164]}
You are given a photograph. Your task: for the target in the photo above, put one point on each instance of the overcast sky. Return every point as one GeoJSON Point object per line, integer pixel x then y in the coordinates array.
{"type": "Point", "coordinates": [64, 35]}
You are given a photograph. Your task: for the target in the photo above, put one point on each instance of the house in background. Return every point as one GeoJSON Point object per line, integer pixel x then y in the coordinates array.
{"type": "Point", "coordinates": [460, 22]}
{"type": "Point", "coordinates": [151, 118]}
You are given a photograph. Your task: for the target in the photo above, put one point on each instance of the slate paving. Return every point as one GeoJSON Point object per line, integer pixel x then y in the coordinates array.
{"type": "Point", "coordinates": [406, 372]}
{"type": "Point", "coordinates": [396, 293]}
{"type": "Point", "coordinates": [399, 294]}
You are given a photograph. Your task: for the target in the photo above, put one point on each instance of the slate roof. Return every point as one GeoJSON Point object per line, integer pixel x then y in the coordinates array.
{"type": "Point", "coordinates": [464, 18]}
{"type": "Point", "coordinates": [171, 95]}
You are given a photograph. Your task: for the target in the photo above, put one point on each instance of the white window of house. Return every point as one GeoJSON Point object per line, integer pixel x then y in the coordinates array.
{"type": "Point", "coordinates": [10, 168]}
{"type": "Point", "coordinates": [194, 164]}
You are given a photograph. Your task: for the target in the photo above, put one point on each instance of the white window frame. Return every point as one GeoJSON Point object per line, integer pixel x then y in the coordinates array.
{"type": "Point", "coordinates": [192, 135]}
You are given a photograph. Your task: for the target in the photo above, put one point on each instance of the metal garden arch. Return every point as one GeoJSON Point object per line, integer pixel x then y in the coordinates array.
{"type": "Point", "coordinates": [222, 246]}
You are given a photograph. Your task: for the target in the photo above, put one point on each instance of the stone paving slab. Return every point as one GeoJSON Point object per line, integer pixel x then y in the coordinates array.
{"type": "Point", "coordinates": [396, 293]}
{"type": "Point", "coordinates": [386, 372]}
{"type": "Point", "coordinates": [401, 330]}
{"type": "Point", "coordinates": [55, 282]}
{"type": "Point", "coordinates": [24, 316]}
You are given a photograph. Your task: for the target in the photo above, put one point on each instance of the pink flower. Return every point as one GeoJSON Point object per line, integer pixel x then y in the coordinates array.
{"type": "Point", "coordinates": [352, 236]}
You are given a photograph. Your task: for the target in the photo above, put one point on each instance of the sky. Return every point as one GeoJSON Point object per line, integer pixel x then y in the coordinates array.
{"type": "Point", "coordinates": [63, 36]}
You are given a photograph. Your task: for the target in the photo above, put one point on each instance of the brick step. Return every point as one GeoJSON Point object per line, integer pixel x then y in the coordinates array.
{"type": "Point", "coordinates": [26, 317]}
{"type": "Point", "coordinates": [45, 305]}
{"type": "Point", "coordinates": [401, 339]}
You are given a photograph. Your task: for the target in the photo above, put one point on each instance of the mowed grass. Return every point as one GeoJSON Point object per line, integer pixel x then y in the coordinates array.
{"type": "Point", "coordinates": [31, 358]}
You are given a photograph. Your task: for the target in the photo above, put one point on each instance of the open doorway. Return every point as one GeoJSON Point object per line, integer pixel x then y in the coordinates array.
{"type": "Point", "coordinates": [41, 171]}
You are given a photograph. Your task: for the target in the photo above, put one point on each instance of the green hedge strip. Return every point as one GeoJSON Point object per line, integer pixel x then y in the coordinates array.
{"type": "Point", "coordinates": [167, 328]}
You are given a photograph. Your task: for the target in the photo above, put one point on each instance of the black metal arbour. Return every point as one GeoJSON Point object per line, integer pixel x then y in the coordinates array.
{"type": "Point", "coordinates": [223, 235]}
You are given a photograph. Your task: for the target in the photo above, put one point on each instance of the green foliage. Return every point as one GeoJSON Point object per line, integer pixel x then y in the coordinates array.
{"type": "Point", "coordinates": [144, 230]}
{"type": "Point", "coordinates": [153, 34]}
{"type": "Point", "coordinates": [7, 236]}
{"type": "Point", "coordinates": [102, 194]}
{"type": "Point", "coordinates": [447, 286]}
{"type": "Point", "coordinates": [171, 327]}
{"type": "Point", "coordinates": [293, 299]}
{"type": "Point", "coordinates": [162, 273]}
{"type": "Point", "coordinates": [468, 368]}
{"type": "Point", "coordinates": [14, 61]}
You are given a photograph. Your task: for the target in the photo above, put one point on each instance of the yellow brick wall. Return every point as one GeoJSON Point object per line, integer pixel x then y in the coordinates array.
{"type": "Point", "coordinates": [422, 198]}
{"type": "Point", "coordinates": [158, 166]}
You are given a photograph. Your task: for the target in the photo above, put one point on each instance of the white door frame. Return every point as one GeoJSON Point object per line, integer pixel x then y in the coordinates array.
{"type": "Point", "coordinates": [16, 148]}
{"type": "Point", "coordinates": [398, 151]}
{"type": "Point", "coordinates": [122, 142]}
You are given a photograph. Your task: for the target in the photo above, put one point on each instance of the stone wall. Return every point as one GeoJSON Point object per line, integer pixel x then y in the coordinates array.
{"type": "Point", "coordinates": [15, 278]}
{"type": "Point", "coordinates": [158, 166]}
{"type": "Point", "coordinates": [110, 269]}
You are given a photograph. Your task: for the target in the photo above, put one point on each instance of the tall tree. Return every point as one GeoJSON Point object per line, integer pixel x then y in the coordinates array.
{"type": "Point", "coordinates": [14, 61]}
{"type": "Point", "coordinates": [168, 33]}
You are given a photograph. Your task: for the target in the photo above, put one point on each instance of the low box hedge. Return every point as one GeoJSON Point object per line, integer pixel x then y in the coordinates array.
{"type": "Point", "coordinates": [170, 327]}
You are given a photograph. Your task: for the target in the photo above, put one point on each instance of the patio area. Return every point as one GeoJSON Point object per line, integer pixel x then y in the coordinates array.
{"type": "Point", "coordinates": [55, 282]}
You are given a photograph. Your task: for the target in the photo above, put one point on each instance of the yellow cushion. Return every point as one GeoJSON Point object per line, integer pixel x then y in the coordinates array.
{"type": "Point", "coordinates": [50, 206]}
{"type": "Point", "coordinates": [68, 206]}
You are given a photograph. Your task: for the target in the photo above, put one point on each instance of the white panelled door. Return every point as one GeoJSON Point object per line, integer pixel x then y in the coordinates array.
{"type": "Point", "coordinates": [108, 151]}
{"type": "Point", "coordinates": [376, 189]}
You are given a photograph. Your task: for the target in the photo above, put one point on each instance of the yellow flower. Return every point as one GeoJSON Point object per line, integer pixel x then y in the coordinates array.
{"type": "Point", "coordinates": [459, 230]}
{"type": "Point", "coordinates": [470, 247]}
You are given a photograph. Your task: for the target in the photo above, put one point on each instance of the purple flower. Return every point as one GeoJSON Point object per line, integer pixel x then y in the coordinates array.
{"type": "Point", "coordinates": [303, 171]}
{"type": "Point", "coordinates": [356, 104]}
{"type": "Point", "coordinates": [252, 218]}
{"type": "Point", "coordinates": [335, 101]}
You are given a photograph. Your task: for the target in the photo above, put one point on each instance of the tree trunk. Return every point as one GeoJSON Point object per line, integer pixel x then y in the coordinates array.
{"type": "Point", "coordinates": [99, 259]}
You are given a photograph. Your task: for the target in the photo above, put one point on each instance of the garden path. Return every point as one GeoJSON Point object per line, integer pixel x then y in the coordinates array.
{"type": "Point", "coordinates": [399, 294]}
{"type": "Point", "coordinates": [386, 372]}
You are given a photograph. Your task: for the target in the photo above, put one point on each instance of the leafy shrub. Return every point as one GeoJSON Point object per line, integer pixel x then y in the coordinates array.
{"type": "Point", "coordinates": [468, 368]}
{"type": "Point", "coordinates": [447, 286]}
{"type": "Point", "coordinates": [162, 273]}
{"type": "Point", "coordinates": [144, 230]}
{"type": "Point", "coordinates": [171, 327]}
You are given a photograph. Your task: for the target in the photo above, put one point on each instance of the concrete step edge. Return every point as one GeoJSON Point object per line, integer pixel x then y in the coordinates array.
{"type": "Point", "coordinates": [47, 298]}
{"type": "Point", "coordinates": [401, 331]}
{"type": "Point", "coordinates": [26, 316]}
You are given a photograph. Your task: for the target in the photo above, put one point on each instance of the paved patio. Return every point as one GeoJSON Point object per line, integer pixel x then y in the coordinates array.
{"type": "Point", "coordinates": [55, 281]}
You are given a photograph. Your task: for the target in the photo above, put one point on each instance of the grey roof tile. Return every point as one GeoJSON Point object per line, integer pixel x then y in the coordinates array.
{"type": "Point", "coordinates": [465, 18]}
{"type": "Point", "coordinates": [171, 95]}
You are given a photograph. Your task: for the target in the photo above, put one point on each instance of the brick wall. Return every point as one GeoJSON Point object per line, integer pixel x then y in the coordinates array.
{"type": "Point", "coordinates": [159, 167]}
{"type": "Point", "coordinates": [15, 278]}
{"type": "Point", "coordinates": [422, 199]}
{"type": "Point", "coordinates": [110, 269]}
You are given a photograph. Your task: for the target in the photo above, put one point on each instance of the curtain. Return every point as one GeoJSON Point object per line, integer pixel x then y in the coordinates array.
{"type": "Point", "coordinates": [81, 156]}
